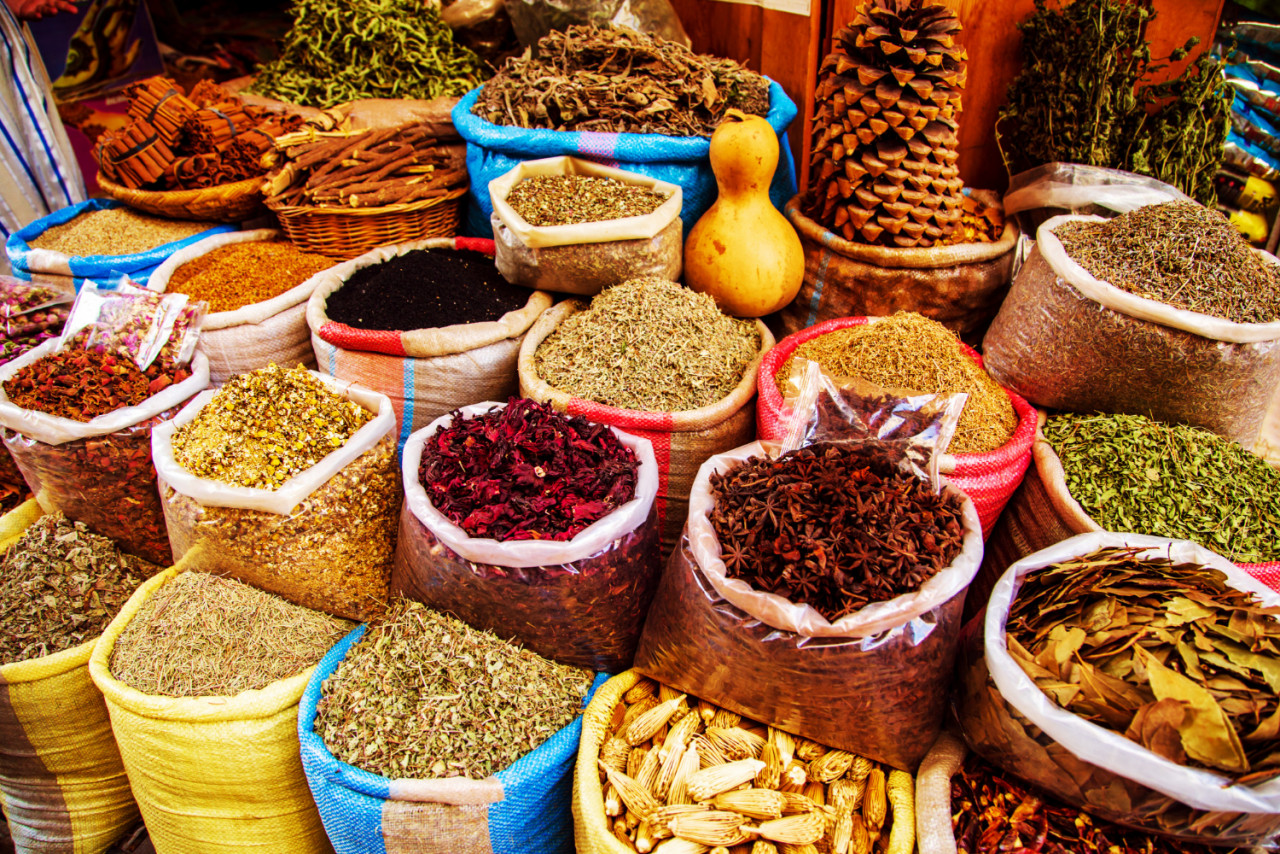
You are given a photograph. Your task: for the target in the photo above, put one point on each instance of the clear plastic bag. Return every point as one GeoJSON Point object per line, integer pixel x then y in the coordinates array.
{"type": "Point", "coordinates": [133, 322]}
{"type": "Point", "coordinates": [580, 602]}
{"type": "Point", "coordinates": [533, 19]}
{"type": "Point", "coordinates": [1052, 189]}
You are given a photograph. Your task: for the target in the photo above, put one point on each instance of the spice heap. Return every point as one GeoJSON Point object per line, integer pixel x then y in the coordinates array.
{"type": "Point", "coordinates": [114, 231]}
{"type": "Point", "coordinates": [992, 813]}
{"type": "Point", "coordinates": [424, 695]}
{"type": "Point", "coordinates": [527, 472]}
{"type": "Point", "coordinates": [649, 344]}
{"type": "Point", "coordinates": [188, 141]}
{"type": "Point", "coordinates": [676, 766]}
{"type": "Point", "coordinates": [264, 427]}
{"type": "Point", "coordinates": [1130, 473]}
{"type": "Point", "coordinates": [345, 50]}
{"type": "Point", "coordinates": [834, 526]}
{"type": "Point", "coordinates": [60, 585]}
{"type": "Point", "coordinates": [240, 274]}
{"type": "Point", "coordinates": [545, 200]}
{"type": "Point", "coordinates": [1166, 654]}
{"type": "Point", "coordinates": [1181, 254]}
{"type": "Point", "coordinates": [618, 81]}
{"type": "Point", "coordinates": [425, 289]}
{"type": "Point", "coordinates": [83, 384]}
{"type": "Point", "coordinates": [31, 315]}
{"type": "Point", "coordinates": [909, 351]}
{"type": "Point", "coordinates": [201, 635]}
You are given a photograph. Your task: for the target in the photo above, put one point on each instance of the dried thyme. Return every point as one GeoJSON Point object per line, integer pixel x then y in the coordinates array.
{"type": "Point", "coordinates": [115, 231]}
{"type": "Point", "coordinates": [649, 344]}
{"type": "Point", "coordinates": [569, 199]}
{"type": "Point", "coordinates": [264, 427]}
{"type": "Point", "coordinates": [201, 635]}
{"type": "Point", "coordinates": [425, 695]}
{"type": "Point", "coordinates": [1181, 254]}
{"type": "Point", "coordinates": [910, 351]}
{"type": "Point", "coordinates": [60, 585]}
{"type": "Point", "coordinates": [1130, 473]}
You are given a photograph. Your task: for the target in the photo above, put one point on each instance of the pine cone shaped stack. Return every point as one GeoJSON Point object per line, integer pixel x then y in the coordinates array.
{"type": "Point", "coordinates": [883, 168]}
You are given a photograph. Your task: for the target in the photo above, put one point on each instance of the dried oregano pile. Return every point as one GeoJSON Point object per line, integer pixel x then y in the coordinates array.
{"type": "Point", "coordinates": [203, 635]}
{"type": "Point", "coordinates": [425, 695]}
{"type": "Point", "coordinates": [649, 344]}
{"type": "Point", "coordinates": [546, 200]}
{"type": "Point", "coordinates": [60, 585]}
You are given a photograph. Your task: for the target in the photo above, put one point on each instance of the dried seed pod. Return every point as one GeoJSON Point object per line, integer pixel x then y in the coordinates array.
{"type": "Point", "coordinates": [736, 742]}
{"type": "Point", "coordinates": [711, 827]}
{"type": "Point", "coordinates": [642, 728]}
{"type": "Point", "coordinates": [614, 753]}
{"type": "Point", "coordinates": [647, 776]}
{"type": "Point", "coordinates": [615, 720]}
{"type": "Point", "coordinates": [612, 801]}
{"type": "Point", "coordinates": [644, 838]}
{"type": "Point", "coordinates": [796, 773]}
{"type": "Point", "coordinates": [771, 775]}
{"type": "Point", "coordinates": [859, 841]}
{"type": "Point", "coordinates": [809, 750]}
{"type": "Point", "coordinates": [756, 803]}
{"type": "Point", "coordinates": [681, 731]}
{"type": "Point", "coordinates": [726, 719]}
{"type": "Point", "coordinates": [901, 796]}
{"type": "Point", "coordinates": [802, 829]}
{"type": "Point", "coordinates": [842, 834]}
{"type": "Point", "coordinates": [635, 710]}
{"type": "Point", "coordinates": [689, 763]}
{"type": "Point", "coordinates": [634, 760]}
{"type": "Point", "coordinates": [816, 792]}
{"type": "Point", "coordinates": [707, 711]}
{"type": "Point", "coordinates": [763, 846]}
{"type": "Point", "coordinates": [785, 743]}
{"type": "Point", "coordinates": [797, 803]}
{"type": "Point", "coordinates": [667, 773]}
{"type": "Point", "coordinates": [860, 768]}
{"type": "Point", "coordinates": [637, 798]}
{"type": "Point", "coordinates": [660, 821]}
{"type": "Point", "coordinates": [710, 753]}
{"type": "Point", "coordinates": [680, 846]}
{"type": "Point", "coordinates": [845, 795]}
{"type": "Point", "coordinates": [619, 830]}
{"type": "Point", "coordinates": [785, 848]}
{"type": "Point", "coordinates": [709, 782]}
{"type": "Point", "coordinates": [644, 688]}
{"type": "Point", "coordinates": [874, 804]}
{"type": "Point", "coordinates": [830, 766]}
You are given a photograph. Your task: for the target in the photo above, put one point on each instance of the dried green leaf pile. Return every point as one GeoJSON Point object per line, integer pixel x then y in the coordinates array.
{"type": "Point", "coordinates": [1166, 654]}
{"type": "Point", "coordinates": [424, 695]}
{"type": "Point", "coordinates": [60, 585]}
{"type": "Point", "coordinates": [202, 635]}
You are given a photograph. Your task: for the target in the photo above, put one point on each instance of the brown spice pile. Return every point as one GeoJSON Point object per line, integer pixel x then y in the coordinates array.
{"type": "Point", "coordinates": [240, 274]}
{"type": "Point", "coordinates": [115, 231]}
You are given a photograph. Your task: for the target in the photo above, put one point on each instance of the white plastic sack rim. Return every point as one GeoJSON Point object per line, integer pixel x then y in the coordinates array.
{"type": "Point", "coordinates": [590, 541]}
{"type": "Point", "coordinates": [1111, 751]}
{"type": "Point", "coordinates": [253, 313]}
{"type": "Point", "coordinates": [1142, 308]}
{"type": "Point", "coordinates": [212, 493]}
{"type": "Point", "coordinates": [1121, 198]}
{"type": "Point", "coordinates": [626, 228]}
{"type": "Point", "coordinates": [55, 430]}
{"type": "Point", "coordinates": [785, 615]}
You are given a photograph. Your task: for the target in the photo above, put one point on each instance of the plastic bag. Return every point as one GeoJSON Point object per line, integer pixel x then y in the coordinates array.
{"type": "Point", "coordinates": [587, 257]}
{"type": "Point", "coordinates": [524, 807]}
{"type": "Point", "coordinates": [1009, 720]}
{"type": "Point", "coordinates": [133, 323]}
{"type": "Point", "coordinates": [1065, 340]}
{"type": "Point", "coordinates": [579, 602]}
{"type": "Point", "coordinates": [1052, 189]}
{"type": "Point", "coordinates": [872, 682]}
{"type": "Point", "coordinates": [533, 19]}
{"type": "Point", "coordinates": [324, 539]}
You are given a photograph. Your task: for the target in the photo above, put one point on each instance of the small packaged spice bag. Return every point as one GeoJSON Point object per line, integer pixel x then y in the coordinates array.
{"type": "Point", "coordinates": [323, 538]}
{"type": "Point", "coordinates": [584, 257]}
{"type": "Point", "coordinates": [579, 601]}
{"type": "Point", "coordinates": [133, 322]}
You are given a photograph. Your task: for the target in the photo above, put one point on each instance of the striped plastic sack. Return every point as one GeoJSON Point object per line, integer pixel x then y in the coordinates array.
{"type": "Point", "coordinates": [989, 479]}
{"type": "Point", "coordinates": [523, 808]}
{"type": "Point", "coordinates": [494, 150]}
{"type": "Point", "coordinates": [682, 441]}
{"type": "Point", "coordinates": [426, 372]}
{"type": "Point", "coordinates": [62, 783]}
{"type": "Point", "coordinates": [27, 261]}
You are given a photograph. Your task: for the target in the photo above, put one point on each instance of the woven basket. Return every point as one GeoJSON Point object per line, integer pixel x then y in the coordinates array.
{"type": "Point", "coordinates": [224, 203]}
{"type": "Point", "coordinates": [347, 232]}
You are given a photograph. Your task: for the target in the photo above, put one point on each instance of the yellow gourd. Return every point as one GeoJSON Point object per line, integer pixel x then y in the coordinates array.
{"type": "Point", "coordinates": [743, 252]}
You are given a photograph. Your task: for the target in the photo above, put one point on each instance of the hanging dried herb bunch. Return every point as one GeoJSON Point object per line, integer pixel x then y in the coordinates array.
{"type": "Point", "coordinates": [1086, 95]}
{"type": "Point", "coordinates": [619, 80]}
{"type": "Point", "coordinates": [1165, 653]}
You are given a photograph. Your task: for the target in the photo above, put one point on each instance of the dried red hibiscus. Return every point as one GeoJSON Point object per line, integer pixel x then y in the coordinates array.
{"type": "Point", "coordinates": [81, 384]}
{"type": "Point", "coordinates": [526, 472]}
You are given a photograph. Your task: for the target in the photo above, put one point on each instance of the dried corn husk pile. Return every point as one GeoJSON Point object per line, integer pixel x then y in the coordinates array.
{"type": "Point", "coordinates": [683, 776]}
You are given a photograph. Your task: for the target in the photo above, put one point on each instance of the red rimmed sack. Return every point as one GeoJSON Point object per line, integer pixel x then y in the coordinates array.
{"type": "Point", "coordinates": [426, 372]}
{"type": "Point", "coordinates": [989, 479]}
{"type": "Point", "coordinates": [682, 441]}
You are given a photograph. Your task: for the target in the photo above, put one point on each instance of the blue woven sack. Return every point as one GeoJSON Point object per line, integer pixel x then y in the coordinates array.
{"type": "Point", "coordinates": [493, 150]}
{"type": "Point", "coordinates": [26, 261]}
{"type": "Point", "coordinates": [523, 808]}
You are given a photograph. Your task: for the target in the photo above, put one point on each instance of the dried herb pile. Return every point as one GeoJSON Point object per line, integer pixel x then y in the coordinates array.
{"type": "Point", "coordinates": [83, 384]}
{"type": "Point", "coordinates": [676, 766]}
{"type": "Point", "coordinates": [240, 274]}
{"type": "Point", "coordinates": [992, 813]}
{"type": "Point", "coordinates": [570, 199]}
{"type": "Point", "coordinates": [29, 316]}
{"type": "Point", "coordinates": [264, 427]}
{"type": "Point", "coordinates": [649, 344]}
{"type": "Point", "coordinates": [619, 81]}
{"type": "Point", "coordinates": [114, 231]}
{"type": "Point", "coordinates": [1181, 254]}
{"type": "Point", "coordinates": [424, 695]}
{"type": "Point", "coordinates": [60, 585]}
{"type": "Point", "coordinates": [345, 50]}
{"type": "Point", "coordinates": [910, 351]}
{"type": "Point", "coordinates": [527, 472]}
{"type": "Point", "coordinates": [1166, 654]}
{"type": "Point", "coordinates": [202, 635]}
{"type": "Point", "coordinates": [1130, 473]}
{"type": "Point", "coordinates": [835, 526]}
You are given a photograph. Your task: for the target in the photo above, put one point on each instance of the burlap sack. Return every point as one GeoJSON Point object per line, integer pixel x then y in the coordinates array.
{"type": "Point", "coordinates": [682, 441]}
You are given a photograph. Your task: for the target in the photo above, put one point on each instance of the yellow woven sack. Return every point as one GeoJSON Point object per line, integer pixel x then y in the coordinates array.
{"type": "Point", "coordinates": [590, 825]}
{"type": "Point", "coordinates": [212, 774]}
{"type": "Point", "coordinates": [62, 783]}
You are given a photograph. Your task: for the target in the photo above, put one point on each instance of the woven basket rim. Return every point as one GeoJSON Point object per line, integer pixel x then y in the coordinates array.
{"type": "Point", "coordinates": [336, 210]}
{"type": "Point", "coordinates": [244, 187]}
